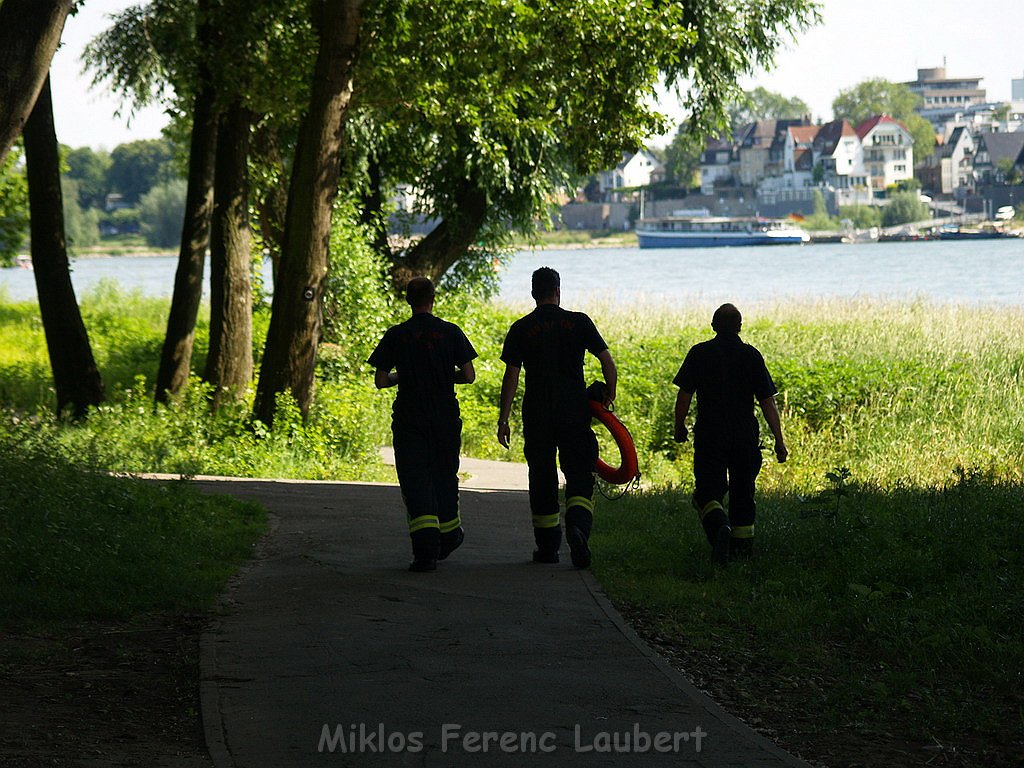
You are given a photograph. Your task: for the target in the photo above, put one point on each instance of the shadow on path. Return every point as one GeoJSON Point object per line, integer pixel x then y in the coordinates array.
{"type": "Point", "coordinates": [327, 639]}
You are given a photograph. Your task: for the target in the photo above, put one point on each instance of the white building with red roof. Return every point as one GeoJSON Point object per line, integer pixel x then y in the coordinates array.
{"type": "Point", "coordinates": [888, 150]}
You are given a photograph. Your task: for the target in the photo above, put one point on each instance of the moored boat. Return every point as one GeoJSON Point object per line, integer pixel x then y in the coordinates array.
{"type": "Point", "coordinates": [987, 231]}
{"type": "Point", "coordinates": [703, 231]}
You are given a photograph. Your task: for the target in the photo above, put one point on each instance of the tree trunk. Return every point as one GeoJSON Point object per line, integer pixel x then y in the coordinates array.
{"type": "Point", "coordinates": [229, 363]}
{"type": "Point", "coordinates": [75, 376]}
{"type": "Point", "coordinates": [372, 212]}
{"type": "Point", "coordinates": [290, 355]}
{"type": "Point", "coordinates": [438, 251]}
{"type": "Point", "coordinates": [176, 357]}
{"type": "Point", "coordinates": [30, 31]}
{"type": "Point", "coordinates": [272, 199]}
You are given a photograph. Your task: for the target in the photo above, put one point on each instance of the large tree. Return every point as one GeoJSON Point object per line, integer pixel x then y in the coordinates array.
{"type": "Point", "coordinates": [89, 168]}
{"type": "Point", "coordinates": [290, 354]}
{"type": "Point", "coordinates": [75, 375]}
{"type": "Point", "coordinates": [485, 107]}
{"type": "Point", "coordinates": [682, 158]}
{"type": "Point", "coordinates": [762, 104]}
{"type": "Point", "coordinates": [229, 365]}
{"type": "Point", "coordinates": [30, 31]}
{"type": "Point", "coordinates": [138, 166]}
{"type": "Point", "coordinates": [882, 97]}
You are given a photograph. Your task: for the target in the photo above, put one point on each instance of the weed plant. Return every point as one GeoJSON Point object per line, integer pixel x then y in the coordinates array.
{"type": "Point", "coordinates": [76, 544]}
{"type": "Point", "coordinates": [896, 618]}
{"type": "Point", "coordinates": [902, 604]}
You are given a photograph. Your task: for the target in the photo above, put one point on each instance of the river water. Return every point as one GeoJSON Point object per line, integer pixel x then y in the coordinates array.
{"type": "Point", "coordinates": [964, 272]}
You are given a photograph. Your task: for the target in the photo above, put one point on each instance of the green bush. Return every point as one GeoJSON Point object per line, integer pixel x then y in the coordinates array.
{"type": "Point", "coordinates": [161, 213]}
{"type": "Point", "coordinates": [13, 207]}
{"type": "Point", "coordinates": [861, 216]}
{"type": "Point", "coordinates": [903, 208]}
{"type": "Point", "coordinates": [79, 544]}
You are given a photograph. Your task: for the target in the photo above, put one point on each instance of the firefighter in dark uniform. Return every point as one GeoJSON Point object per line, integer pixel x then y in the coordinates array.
{"type": "Point", "coordinates": [549, 343]}
{"type": "Point", "coordinates": [728, 376]}
{"type": "Point", "coordinates": [426, 356]}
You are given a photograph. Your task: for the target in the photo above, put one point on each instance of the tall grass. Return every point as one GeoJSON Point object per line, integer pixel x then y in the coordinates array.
{"type": "Point", "coordinates": [902, 604]}
{"type": "Point", "coordinates": [902, 393]}
{"type": "Point", "coordinates": [76, 544]}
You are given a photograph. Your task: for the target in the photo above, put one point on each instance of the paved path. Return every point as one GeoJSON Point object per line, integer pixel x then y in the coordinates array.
{"type": "Point", "coordinates": [327, 634]}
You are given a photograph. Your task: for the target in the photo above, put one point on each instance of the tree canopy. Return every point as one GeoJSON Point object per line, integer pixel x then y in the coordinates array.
{"type": "Point", "coordinates": [138, 166]}
{"type": "Point", "coordinates": [882, 97]}
{"type": "Point", "coordinates": [486, 108]}
{"type": "Point", "coordinates": [761, 104]}
{"type": "Point", "coordinates": [13, 206]}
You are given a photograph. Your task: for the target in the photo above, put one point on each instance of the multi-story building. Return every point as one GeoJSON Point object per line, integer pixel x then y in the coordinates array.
{"type": "Point", "coordinates": [717, 163]}
{"type": "Point", "coordinates": [949, 170]}
{"type": "Point", "coordinates": [942, 97]}
{"type": "Point", "coordinates": [1017, 89]}
{"type": "Point", "coordinates": [888, 151]}
{"type": "Point", "coordinates": [996, 156]}
{"type": "Point", "coordinates": [636, 170]}
{"type": "Point", "coordinates": [760, 147]}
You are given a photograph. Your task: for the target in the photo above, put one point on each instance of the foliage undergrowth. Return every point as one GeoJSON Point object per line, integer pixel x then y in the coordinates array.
{"type": "Point", "coordinates": [77, 544]}
{"type": "Point", "coordinates": [900, 596]}
{"type": "Point", "coordinates": [897, 615]}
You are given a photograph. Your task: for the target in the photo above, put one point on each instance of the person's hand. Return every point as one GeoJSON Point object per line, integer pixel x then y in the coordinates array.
{"type": "Point", "coordinates": [504, 433]}
{"type": "Point", "coordinates": [781, 453]}
{"type": "Point", "coordinates": [681, 434]}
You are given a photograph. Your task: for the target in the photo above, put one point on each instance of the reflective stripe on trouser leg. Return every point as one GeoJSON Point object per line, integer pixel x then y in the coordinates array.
{"type": "Point", "coordinates": [579, 513]}
{"type": "Point", "coordinates": [712, 517]}
{"type": "Point", "coordinates": [423, 522]}
{"type": "Point", "coordinates": [451, 525]}
{"type": "Point", "coordinates": [743, 532]}
{"type": "Point", "coordinates": [708, 508]}
{"type": "Point", "coordinates": [580, 501]}
{"type": "Point", "coordinates": [546, 521]}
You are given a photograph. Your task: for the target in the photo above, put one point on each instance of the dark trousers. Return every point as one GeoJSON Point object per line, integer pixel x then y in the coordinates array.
{"type": "Point", "coordinates": [427, 462]}
{"type": "Point", "coordinates": [575, 446]}
{"type": "Point", "coordinates": [722, 466]}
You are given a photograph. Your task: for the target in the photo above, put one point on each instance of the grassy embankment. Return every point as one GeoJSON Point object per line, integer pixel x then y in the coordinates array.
{"type": "Point", "coordinates": [883, 608]}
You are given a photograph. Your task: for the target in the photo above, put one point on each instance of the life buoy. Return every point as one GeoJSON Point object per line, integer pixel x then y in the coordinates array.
{"type": "Point", "coordinates": [628, 467]}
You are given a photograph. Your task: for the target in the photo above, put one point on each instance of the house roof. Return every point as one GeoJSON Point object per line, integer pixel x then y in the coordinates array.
{"type": "Point", "coordinates": [956, 137]}
{"type": "Point", "coordinates": [803, 160]}
{"type": "Point", "coordinates": [873, 122]}
{"type": "Point", "coordinates": [781, 127]}
{"type": "Point", "coordinates": [803, 134]}
{"type": "Point", "coordinates": [830, 134]}
{"type": "Point", "coordinates": [1002, 146]}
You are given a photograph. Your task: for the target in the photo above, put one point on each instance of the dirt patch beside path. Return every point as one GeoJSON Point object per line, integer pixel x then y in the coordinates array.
{"type": "Point", "coordinates": [103, 694]}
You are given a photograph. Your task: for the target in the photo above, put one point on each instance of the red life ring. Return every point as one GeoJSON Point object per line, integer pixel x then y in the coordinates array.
{"type": "Point", "coordinates": [628, 467]}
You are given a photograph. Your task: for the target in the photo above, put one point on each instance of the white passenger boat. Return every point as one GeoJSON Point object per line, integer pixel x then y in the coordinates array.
{"type": "Point", "coordinates": [701, 231]}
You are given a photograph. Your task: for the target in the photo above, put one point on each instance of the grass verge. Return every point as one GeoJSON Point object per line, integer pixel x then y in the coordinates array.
{"type": "Point", "coordinates": [883, 631]}
{"type": "Point", "coordinates": [79, 545]}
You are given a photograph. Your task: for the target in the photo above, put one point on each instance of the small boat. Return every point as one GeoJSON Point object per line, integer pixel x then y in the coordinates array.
{"type": "Point", "coordinates": [986, 231]}
{"type": "Point", "coordinates": [704, 231]}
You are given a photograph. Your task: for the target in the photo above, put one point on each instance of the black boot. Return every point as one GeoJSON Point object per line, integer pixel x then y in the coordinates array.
{"type": "Point", "coordinates": [450, 542]}
{"type": "Point", "coordinates": [741, 549]}
{"type": "Point", "coordinates": [719, 533]}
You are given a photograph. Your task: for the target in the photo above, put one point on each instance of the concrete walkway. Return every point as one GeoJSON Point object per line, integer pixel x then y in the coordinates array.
{"type": "Point", "coordinates": [330, 653]}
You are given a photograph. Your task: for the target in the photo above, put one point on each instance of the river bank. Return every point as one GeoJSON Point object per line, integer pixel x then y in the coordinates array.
{"type": "Point", "coordinates": [987, 272]}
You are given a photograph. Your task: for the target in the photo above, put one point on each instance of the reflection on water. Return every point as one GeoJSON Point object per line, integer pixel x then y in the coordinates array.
{"type": "Point", "coordinates": [960, 272]}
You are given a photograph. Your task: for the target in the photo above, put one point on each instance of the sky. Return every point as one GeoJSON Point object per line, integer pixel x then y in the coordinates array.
{"type": "Point", "coordinates": [858, 39]}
